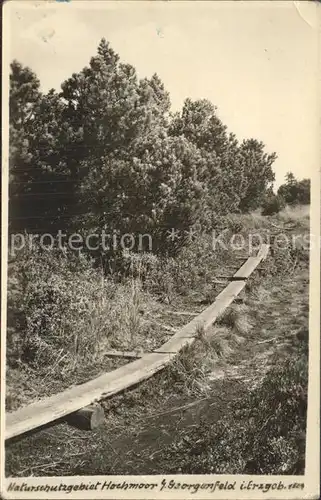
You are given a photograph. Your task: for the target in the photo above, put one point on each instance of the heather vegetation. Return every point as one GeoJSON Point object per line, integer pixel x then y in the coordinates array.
{"type": "Point", "coordinates": [234, 402]}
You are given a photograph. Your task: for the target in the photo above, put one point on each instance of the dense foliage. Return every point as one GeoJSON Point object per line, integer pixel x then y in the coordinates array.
{"type": "Point", "coordinates": [106, 152]}
{"type": "Point", "coordinates": [272, 203]}
{"type": "Point", "coordinates": [262, 433]}
{"type": "Point", "coordinates": [51, 296]}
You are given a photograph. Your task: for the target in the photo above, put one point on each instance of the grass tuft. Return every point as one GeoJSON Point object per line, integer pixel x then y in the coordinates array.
{"type": "Point", "coordinates": [236, 318]}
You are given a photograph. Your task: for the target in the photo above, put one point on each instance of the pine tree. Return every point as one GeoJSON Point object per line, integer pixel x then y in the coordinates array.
{"type": "Point", "coordinates": [259, 176]}
{"type": "Point", "coordinates": [24, 98]}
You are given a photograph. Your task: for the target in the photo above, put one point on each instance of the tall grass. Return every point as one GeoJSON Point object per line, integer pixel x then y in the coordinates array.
{"type": "Point", "coordinates": [62, 312]}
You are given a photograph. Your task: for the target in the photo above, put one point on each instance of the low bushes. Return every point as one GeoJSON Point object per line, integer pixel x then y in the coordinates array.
{"type": "Point", "coordinates": [61, 309]}
{"type": "Point", "coordinates": [262, 432]}
{"type": "Point", "coordinates": [61, 300]}
{"type": "Point", "coordinates": [64, 310]}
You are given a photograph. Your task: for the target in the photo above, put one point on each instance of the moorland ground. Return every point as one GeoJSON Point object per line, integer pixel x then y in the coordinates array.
{"type": "Point", "coordinates": [234, 402]}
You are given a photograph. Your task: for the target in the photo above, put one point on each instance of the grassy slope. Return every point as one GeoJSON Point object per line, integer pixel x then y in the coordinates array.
{"type": "Point", "coordinates": [151, 435]}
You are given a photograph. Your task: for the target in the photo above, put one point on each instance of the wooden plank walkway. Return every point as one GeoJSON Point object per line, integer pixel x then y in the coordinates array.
{"type": "Point", "coordinates": [60, 405]}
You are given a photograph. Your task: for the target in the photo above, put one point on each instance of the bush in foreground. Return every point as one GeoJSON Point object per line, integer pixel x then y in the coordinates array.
{"type": "Point", "coordinates": [62, 310]}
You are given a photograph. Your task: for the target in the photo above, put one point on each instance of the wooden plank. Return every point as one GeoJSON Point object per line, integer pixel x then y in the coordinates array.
{"type": "Point", "coordinates": [205, 319]}
{"type": "Point", "coordinates": [252, 262]}
{"type": "Point", "coordinates": [62, 404]}
{"type": "Point", "coordinates": [59, 405]}
{"type": "Point", "coordinates": [263, 252]}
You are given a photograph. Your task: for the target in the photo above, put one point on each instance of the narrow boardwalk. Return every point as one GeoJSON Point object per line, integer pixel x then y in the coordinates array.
{"type": "Point", "coordinates": [62, 404]}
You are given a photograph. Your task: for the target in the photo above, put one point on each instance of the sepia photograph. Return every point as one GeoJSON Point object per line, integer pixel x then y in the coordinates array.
{"type": "Point", "coordinates": [161, 236]}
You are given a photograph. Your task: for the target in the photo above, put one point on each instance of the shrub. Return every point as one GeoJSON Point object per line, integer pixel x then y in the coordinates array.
{"type": "Point", "coordinates": [166, 276]}
{"type": "Point", "coordinates": [47, 300]}
{"type": "Point", "coordinates": [59, 305]}
{"type": "Point", "coordinates": [262, 433]}
{"type": "Point", "coordinates": [273, 204]}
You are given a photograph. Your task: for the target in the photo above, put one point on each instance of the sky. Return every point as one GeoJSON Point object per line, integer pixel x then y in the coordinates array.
{"type": "Point", "coordinates": [256, 61]}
